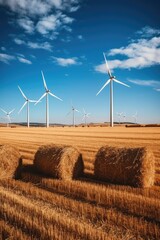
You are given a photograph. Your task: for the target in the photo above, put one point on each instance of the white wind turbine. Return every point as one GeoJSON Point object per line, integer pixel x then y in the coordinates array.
{"type": "Point", "coordinates": [47, 91]}
{"type": "Point", "coordinates": [124, 117]}
{"type": "Point", "coordinates": [85, 116]}
{"type": "Point", "coordinates": [135, 117]}
{"type": "Point", "coordinates": [119, 116]}
{"type": "Point", "coordinates": [110, 80]}
{"type": "Point", "coordinates": [7, 115]}
{"type": "Point", "coordinates": [27, 101]}
{"type": "Point", "coordinates": [73, 110]}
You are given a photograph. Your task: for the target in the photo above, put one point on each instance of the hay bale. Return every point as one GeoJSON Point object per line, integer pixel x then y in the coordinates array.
{"type": "Point", "coordinates": [58, 161]}
{"type": "Point", "coordinates": [10, 162]}
{"type": "Point", "coordinates": [128, 166]}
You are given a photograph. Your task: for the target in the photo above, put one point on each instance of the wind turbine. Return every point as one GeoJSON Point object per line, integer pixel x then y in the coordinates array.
{"type": "Point", "coordinates": [7, 115]}
{"type": "Point", "coordinates": [135, 117]}
{"type": "Point", "coordinates": [27, 101]}
{"type": "Point", "coordinates": [119, 116]}
{"type": "Point", "coordinates": [110, 80]}
{"type": "Point", "coordinates": [47, 91]}
{"type": "Point", "coordinates": [124, 117]}
{"type": "Point", "coordinates": [85, 116]}
{"type": "Point", "coordinates": [73, 110]}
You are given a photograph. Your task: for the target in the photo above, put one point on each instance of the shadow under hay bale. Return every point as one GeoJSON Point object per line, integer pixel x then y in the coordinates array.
{"type": "Point", "coordinates": [58, 161]}
{"type": "Point", "coordinates": [128, 166]}
{"type": "Point", "coordinates": [10, 162]}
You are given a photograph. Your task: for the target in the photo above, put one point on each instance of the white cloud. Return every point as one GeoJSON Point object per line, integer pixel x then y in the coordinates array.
{"type": "Point", "coordinates": [49, 23]}
{"type": "Point", "coordinates": [40, 7]}
{"type": "Point", "coordinates": [45, 16]}
{"type": "Point", "coordinates": [6, 58]}
{"type": "Point", "coordinates": [26, 24]}
{"type": "Point", "coordinates": [138, 54]}
{"type": "Point", "coordinates": [74, 9]}
{"type": "Point", "coordinates": [56, 3]}
{"type": "Point", "coordinates": [52, 23]}
{"type": "Point", "coordinates": [34, 45]}
{"type": "Point", "coordinates": [19, 41]}
{"type": "Point", "coordinates": [64, 62]}
{"type": "Point", "coordinates": [65, 19]}
{"type": "Point", "coordinates": [80, 37]}
{"type": "Point", "coordinates": [27, 7]}
{"type": "Point", "coordinates": [45, 46]}
{"type": "Point", "coordinates": [3, 49]}
{"type": "Point", "coordinates": [23, 60]}
{"type": "Point", "coordinates": [147, 31]}
{"type": "Point", "coordinates": [147, 83]}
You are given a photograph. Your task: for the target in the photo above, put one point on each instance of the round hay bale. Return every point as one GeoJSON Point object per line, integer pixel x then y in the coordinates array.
{"type": "Point", "coordinates": [10, 162]}
{"type": "Point", "coordinates": [63, 162]}
{"type": "Point", "coordinates": [128, 166]}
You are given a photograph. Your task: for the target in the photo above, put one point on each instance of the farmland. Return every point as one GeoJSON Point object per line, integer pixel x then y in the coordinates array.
{"type": "Point", "coordinates": [38, 207]}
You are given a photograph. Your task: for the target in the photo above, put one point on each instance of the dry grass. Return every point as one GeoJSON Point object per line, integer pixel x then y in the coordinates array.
{"type": "Point", "coordinates": [10, 162]}
{"type": "Point", "coordinates": [128, 166]}
{"type": "Point", "coordinates": [59, 161]}
{"type": "Point", "coordinates": [39, 207]}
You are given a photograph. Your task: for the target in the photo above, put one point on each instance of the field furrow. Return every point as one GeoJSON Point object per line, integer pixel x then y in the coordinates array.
{"type": "Point", "coordinates": [38, 207]}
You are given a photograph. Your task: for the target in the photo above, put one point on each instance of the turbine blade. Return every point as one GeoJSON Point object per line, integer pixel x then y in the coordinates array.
{"type": "Point", "coordinates": [55, 96]}
{"type": "Point", "coordinates": [84, 111]}
{"type": "Point", "coordinates": [108, 81]}
{"type": "Point", "coordinates": [22, 107]}
{"type": "Point", "coordinates": [22, 93]}
{"type": "Point", "coordinates": [76, 110]}
{"type": "Point", "coordinates": [34, 101]}
{"type": "Point", "coordinates": [108, 70]}
{"type": "Point", "coordinates": [3, 111]}
{"type": "Point", "coordinates": [44, 81]}
{"type": "Point", "coordinates": [120, 82]}
{"type": "Point", "coordinates": [11, 111]}
{"type": "Point", "coordinates": [68, 113]}
{"type": "Point", "coordinates": [41, 98]}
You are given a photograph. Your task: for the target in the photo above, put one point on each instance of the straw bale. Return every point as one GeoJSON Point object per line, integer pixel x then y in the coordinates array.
{"type": "Point", "coordinates": [59, 161]}
{"type": "Point", "coordinates": [10, 162]}
{"type": "Point", "coordinates": [128, 166]}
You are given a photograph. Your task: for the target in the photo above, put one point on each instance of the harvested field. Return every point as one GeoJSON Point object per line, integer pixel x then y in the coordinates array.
{"type": "Point", "coordinates": [40, 207]}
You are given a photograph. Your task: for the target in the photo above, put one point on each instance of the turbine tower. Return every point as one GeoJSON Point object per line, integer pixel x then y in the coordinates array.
{"type": "Point", "coordinates": [110, 80]}
{"type": "Point", "coordinates": [27, 101]}
{"type": "Point", "coordinates": [7, 115]}
{"type": "Point", "coordinates": [85, 116]}
{"type": "Point", "coordinates": [73, 110]}
{"type": "Point", "coordinates": [47, 91]}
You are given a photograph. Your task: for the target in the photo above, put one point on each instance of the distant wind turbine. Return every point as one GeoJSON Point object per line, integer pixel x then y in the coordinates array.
{"type": "Point", "coordinates": [110, 80]}
{"type": "Point", "coordinates": [47, 91]}
{"type": "Point", "coordinates": [27, 101]}
{"type": "Point", "coordinates": [73, 110]}
{"type": "Point", "coordinates": [85, 116]}
{"type": "Point", "coordinates": [7, 115]}
{"type": "Point", "coordinates": [135, 117]}
{"type": "Point", "coordinates": [124, 117]}
{"type": "Point", "coordinates": [119, 116]}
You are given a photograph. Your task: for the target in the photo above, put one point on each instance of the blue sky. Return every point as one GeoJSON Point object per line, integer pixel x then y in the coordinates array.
{"type": "Point", "coordinates": [66, 39]}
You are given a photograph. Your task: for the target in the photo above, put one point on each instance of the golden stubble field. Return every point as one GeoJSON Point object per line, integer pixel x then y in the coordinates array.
{"type": "Point", "coordinates": [37, 207]}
